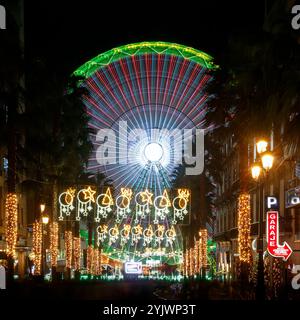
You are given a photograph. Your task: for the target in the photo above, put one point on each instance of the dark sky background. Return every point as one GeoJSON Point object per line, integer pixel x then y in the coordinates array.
{"type": "Point", "coordinates": [67, 33]}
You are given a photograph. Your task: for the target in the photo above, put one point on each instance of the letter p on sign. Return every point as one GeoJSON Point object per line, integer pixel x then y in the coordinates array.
{"type": "Point", "coordinates": [272, 202]}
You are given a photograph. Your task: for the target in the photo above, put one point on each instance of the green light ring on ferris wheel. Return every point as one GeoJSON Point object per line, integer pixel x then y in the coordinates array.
{"type": "Point", "coordinates": [158, 47]}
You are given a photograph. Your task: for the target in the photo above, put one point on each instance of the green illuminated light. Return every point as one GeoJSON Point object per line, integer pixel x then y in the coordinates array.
{"type": "Point", "coordinates": [103, 59]}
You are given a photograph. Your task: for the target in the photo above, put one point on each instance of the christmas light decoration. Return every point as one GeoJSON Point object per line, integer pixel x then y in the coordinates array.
{"type": "Point", "coordinates": [104, 203]}
{"type": "Point", "coordinates": [66, 203]}
{"type": "Point", "coordinates": [180, 204]}
{"type": "Point", "coordinates": [148, 235]}
{"type": "Point", "coordinates": [159, 234]}
{"type": "Point", "coordinates": [161, 205]}
{"type": "Point", "coordinates": [123, 235]}
{"type": "Point", "coordinates": [77, 252]}
{"type": "Point", "coordinates": [53, 243]}
{"type": "Point", "coordinates": [11, 219]}
{"type": "Point", "coordinates": [113, 234]}
{"type": "Point", "coordinates": [170, 236]}
{"type": "Point", "coordinates": [123, 203]}
{"type": "Point", "coordinates": [37, 247]}
{"type": "Point", "coordinates": [136, 233]}
{"type": "Point", "coordinates": [68, 248]}
{"type": "Point", "coordinates": [143, 200]}
{"type": "Point", "coordinates": [85, 198]}
{"type": "Point", "coordinates": [102, 232]}
{"type": "Point", "coordinates": [244, 227]}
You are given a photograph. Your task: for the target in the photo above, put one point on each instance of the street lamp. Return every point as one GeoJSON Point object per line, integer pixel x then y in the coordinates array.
{"type": "Point", "coordinates": [45, 219]}
{"type": "Point", "coordinates": [258, 170]}
{"type": "Point", "coordinates": [42, 206]}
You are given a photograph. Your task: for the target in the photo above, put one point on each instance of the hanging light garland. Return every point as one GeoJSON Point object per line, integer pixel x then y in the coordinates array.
{"type": "Point", "coordinates": [54, 243]}
{"type": "Point", "coordinates": [77, 252]}
{"type": "Point", "coordinates": [244, 227]}
{"type": "Point", "coordinates": [37, 247]}
{"type": "Point", "coordinates": [68, 248]}
{"type": "Point", "coordinates": [11, 218]}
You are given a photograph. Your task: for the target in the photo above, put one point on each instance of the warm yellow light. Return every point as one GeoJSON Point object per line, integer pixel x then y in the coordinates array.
{"type": "Point", "coordinates": [45, 219]}
{"type": "Point", "coordinates": [42, 206]}
{"type": "Point", "coordinates": [255, 171]}
{"type": "Point", "coordinates": [267, 161]}
{"type": "Point", "coordinates": [261, 146]}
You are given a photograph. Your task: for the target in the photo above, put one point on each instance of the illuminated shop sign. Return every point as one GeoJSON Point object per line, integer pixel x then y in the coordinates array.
{"type": "Point", "coordinates": [274, 248]}
{"type": "Point", "coordinates": [133, 268]}
{"type": "Point", "coordinates": [292, 197]}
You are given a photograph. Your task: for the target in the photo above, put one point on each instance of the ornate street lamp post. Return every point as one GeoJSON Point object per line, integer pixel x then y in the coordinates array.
{"type": "Point", "coordinates": [259, 173]}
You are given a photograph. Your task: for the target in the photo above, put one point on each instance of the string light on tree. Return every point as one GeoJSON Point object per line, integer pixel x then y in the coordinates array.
{"type": "Point", "coordinates": [89, 259]}
{"type": "Point", "coordinates": [54, 243]}
{"type": "Point", "coordinates": [96, 262]}
{"type": "Point", "coordinates": [203, 237]}
{"type": "Point", "coordinates": [37, 247]}
{"type": "Point", "coordinates": [244, 227]}
{"type": "Point", "coordinates": [11, 218]}
{"type": "Point", "coordinates": [77, 252]}
{"type": "Point", "coordinates": [68, 248]}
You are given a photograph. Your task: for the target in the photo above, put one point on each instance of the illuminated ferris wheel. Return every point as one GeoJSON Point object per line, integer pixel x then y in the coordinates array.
{"type": "Point", "coordinates": [140, 98]}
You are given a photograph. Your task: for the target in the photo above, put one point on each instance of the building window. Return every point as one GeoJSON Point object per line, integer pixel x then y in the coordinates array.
{"type": "Point", "coordinates": [1, 203]}
{"type": "Point", "coordinates": [297, 225]}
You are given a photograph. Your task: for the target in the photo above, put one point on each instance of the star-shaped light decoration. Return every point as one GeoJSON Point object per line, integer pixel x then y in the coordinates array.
{"type": "Point", "coordinates": [138, 229]}
{"type": "Point", "coordinates": [147, 196]}
{"type": "Point", "coordinates": [89, 194]}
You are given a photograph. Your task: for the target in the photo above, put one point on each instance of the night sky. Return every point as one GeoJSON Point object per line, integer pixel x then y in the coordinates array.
{"type": "Point", "coordinates": [67, 34]}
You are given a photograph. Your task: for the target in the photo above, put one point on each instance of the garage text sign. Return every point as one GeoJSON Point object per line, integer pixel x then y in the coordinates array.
{"type": "Point", "coordinates": [279, 251]}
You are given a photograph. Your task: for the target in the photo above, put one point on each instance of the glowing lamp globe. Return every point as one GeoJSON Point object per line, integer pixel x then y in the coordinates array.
{"type": "Point", "coordinates": [153, 152]}
{"type": "Point", "coordinates": [255, 170]}
{"type": "Point", "coordinates": [45, 219]}
{"type": "Point", "coordinates": [261, 146]}
{"type": "Point", "coordinates": [267, 161]}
